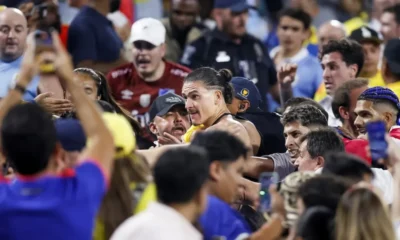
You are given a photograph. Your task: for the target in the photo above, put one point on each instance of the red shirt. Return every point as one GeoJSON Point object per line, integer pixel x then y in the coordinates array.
{"type": "Point", "coordinates": [136, 95]}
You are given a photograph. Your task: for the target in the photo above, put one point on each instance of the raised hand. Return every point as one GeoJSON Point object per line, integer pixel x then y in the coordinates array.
{"type": "Point", "coordinates": [287, 73]}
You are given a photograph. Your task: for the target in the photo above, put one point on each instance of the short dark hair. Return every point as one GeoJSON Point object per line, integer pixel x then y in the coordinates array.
{"type": "Point", "coordinates": [306, 115]}
{"type": "Point", "coordinates": [28, 138]}
{"type": "Point", "coordinates": [214, 79]}
{"type": "Point", "coordinates": [351, 51]}
{"type": "Point", "coordinates": [220, 146]}
{"type": "Point", "coordinates": [341, 97]}
{"type": "Point", "coordinates": [322, 141]}
{"type": "Point", "coordinates": [323, 190]}
{"type": "Point", "coordinates": [345, 165]}
{"type": "Point", "coordinates": [180, 173]}
{"type": "Point", "coordinates": [297, 14]}
{"type": "Point", "coordinates": [395, 10]}
{"type": "Point", "coordinates": [297, 101]}
{"type": "Point", "coordinates": [316, 223]}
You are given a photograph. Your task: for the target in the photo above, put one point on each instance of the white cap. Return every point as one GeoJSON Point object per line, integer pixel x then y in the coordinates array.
{"type": "Point", "coordinates": [148, 29]}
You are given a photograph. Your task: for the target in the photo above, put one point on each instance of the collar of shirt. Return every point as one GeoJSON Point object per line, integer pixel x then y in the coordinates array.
{"type": "Point", "coordinates": [303, 53]}
{"type": "Point", "coordinates": [165, 212]}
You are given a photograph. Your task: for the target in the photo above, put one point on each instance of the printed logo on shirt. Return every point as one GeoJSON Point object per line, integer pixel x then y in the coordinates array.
{"type": "Point", "coordinates": [126, 94]}
{"type": "Point", "coordinates": [120, 72]}
{"type": "Point", "coordinates": [178, 72]}
{"type": "Point", "coordinates": [144, 100]}
{"type": "Point", "coordinates": [222, 57]}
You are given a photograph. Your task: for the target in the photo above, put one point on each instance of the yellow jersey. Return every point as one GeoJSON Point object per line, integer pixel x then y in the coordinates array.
{"type": "Point", "coordinates": [375, 81]}
{"type": "Point", "coordinates": [189, 133]}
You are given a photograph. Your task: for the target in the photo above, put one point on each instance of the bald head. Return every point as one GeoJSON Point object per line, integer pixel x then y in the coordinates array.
{"type": "Point", "coordinates": [332, 30]}
{"type": "Point", "coordinates": [13, 33]}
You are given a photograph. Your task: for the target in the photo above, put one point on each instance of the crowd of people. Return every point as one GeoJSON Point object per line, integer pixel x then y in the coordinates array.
{"type": "Point", "coordinates": [227, 119]}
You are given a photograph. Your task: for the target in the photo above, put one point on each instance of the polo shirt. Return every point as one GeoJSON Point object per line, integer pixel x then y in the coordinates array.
{"type": "Point", "coordinates": [61, 207]}
{"type": "Point", "coordinates": [221, 221]}
{"type": "Point", "coordinates": [8, 74]}
{"type": "Point", "coordinates": [91, 36]}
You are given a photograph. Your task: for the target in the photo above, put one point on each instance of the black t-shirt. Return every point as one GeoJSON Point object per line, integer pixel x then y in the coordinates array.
{"type": "Point", "coordinates": [249, 59]}
{"type": "Point", "coordinates": [270, 128]}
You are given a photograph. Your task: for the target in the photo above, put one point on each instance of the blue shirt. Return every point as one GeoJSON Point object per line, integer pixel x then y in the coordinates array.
{"type": "Point", "coordinates": [8, 73]}
{"type": "Point", "coordinates": [91, 36]}
{"type": "Point", "coordinates": [308, 76]}
{"type": "Point", "coordinates": [52, 207]}
{"type": "Point", "coordinates": [220, 220]}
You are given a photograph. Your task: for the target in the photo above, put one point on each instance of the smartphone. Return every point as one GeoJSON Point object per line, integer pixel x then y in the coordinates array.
{"type": "Point", "coordinates": [266, 179]}
{"type": "Point", "coordinates": [43, 34]}
{"type": "Point", "coordinates": [376, 136]}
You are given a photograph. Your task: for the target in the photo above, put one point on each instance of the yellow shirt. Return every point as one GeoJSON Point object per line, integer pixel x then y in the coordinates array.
{"type": "Point", "coordinates": [188, 135]}
{"type": "Point", "coordinates": [356, 23]}
{"type": "Point", "coordinates": [375, 81]}
{"type": "Point", "coordinates": [395, 87]}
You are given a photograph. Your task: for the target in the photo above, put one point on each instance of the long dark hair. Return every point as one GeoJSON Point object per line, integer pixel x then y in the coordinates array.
{"type": "Point", "coordinates": [119, 202]}
{"type": "Point", "coordinates": [104, 92]}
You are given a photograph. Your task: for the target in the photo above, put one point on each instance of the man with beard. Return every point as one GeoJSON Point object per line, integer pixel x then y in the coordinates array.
{"type": "Point", "coordinates": [136, 85]}
{"type": "Point", "coordinates": [13, 34]}
{"type": "Point", "coordinates": [181, 27]}
{"type": "Point", "coordinates": [169, 119]}
{"type": "Point", "coordinates": [378, 103]}
{"type": "Point", "coordinates": [229, 46]}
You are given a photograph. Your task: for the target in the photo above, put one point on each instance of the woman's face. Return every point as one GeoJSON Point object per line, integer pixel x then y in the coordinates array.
{"type": "Point", "coordinates": [201, 103]}
{"type": "Point", "coordinates": [88, 85]}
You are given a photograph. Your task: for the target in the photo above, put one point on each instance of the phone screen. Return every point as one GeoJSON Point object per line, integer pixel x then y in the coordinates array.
{"type": "Point", "coordinates": [377, 142]}
{"type": "Point", "coordinates": [266, 179]}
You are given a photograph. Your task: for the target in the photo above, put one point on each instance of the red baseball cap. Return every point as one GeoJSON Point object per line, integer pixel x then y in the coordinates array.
{"type": "Point", "coordinates": [358, 147]}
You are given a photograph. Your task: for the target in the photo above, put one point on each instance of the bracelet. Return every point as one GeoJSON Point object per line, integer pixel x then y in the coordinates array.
{"type": "Point", "coordinates": [19, 88]}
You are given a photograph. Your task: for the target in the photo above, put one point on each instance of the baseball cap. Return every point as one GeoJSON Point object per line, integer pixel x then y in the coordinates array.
{"type": "Point", "coordinates": [365, 34]}
{"type": "Point", "coordinates": [162, 104]}
{"type": "Point", "coordinates": [391, 53]}
{"type": "Point", "coordinates": [233, 5]}
{"type": "Point", "coordinates": [123, 134]}
{"type": "Point", "coordinates": [246, 90]}
{"type": "Point", "coordinates": [148, 29]}
{"type": "Point", "coordinates": [70, 134]}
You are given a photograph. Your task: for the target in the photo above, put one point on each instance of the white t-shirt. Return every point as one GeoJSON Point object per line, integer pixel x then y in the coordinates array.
{"type": "Point", "coordinates": [383, 181]}
{"type": "Point", "coordinates": [157, 222]}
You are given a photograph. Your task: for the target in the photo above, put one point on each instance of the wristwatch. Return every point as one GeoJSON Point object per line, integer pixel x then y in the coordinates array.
{"type": "Point", "coordinates": [16, 86]}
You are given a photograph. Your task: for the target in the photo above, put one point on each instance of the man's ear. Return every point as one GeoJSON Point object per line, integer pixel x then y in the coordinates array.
{"type": "Point", "coordinates": [218, 96]}
{"type": "Point", "coordinates": [244, 105]}
{"type": "Point", "coordinates": [388, 118]}
{"type": "Point", "coordinates": [354, 70]}
{"type": "Point", "coordinates": [215, 171]}
{"type": "Point", "coordinates": [153, 128]}
{"type": "Point", "coordinates": [320, 161]}
{"type": "Point", "coordinates": [344, 113]}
